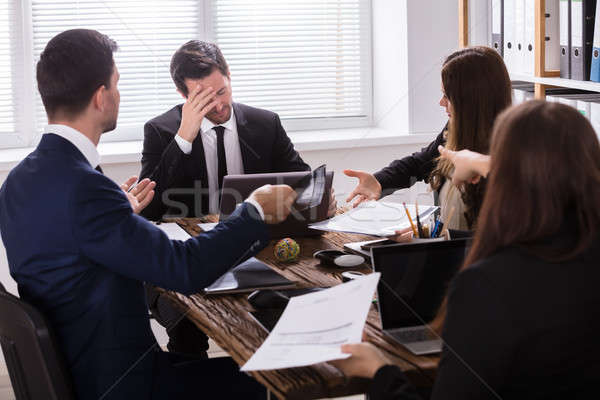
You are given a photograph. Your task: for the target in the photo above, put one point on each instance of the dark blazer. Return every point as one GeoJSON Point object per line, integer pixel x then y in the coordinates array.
{"type": "Point", "coordinates": [80, 254]}
{"type": "Point", "coordinates": [517, 327]}
{"type": "Point", "coordinates": [407, 171]}
{"type": "Point", "coordinates": [265, 147]}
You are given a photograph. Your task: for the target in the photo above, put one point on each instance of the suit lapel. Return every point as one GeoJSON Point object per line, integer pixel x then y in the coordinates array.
{"type": "Point", "coordinates": [248, 145]}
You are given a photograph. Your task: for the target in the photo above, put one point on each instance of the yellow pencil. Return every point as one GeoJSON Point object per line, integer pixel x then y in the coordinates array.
{"type": "Point", "coordinates": [410, 220]}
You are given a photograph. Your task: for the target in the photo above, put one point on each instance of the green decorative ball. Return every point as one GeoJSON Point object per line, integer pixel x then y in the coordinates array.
{"type": "Point", "coordinates": [286, 250]}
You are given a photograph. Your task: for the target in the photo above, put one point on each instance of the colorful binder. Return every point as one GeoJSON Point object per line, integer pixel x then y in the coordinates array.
{"type": "Point", "coordinates": [582, 32]}
{"type": "Point", "coordinates": [510, 54]}
{"type": "Point", "coordinates": [595, 68]}
{"type": "Point", "coordinates": [498, 26]}
{"type": "Point", "coordinates": [565, 38]}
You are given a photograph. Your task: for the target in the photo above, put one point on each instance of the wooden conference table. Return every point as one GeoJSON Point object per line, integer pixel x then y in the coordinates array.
{"type": "Point", "coordinates": [225, 319]}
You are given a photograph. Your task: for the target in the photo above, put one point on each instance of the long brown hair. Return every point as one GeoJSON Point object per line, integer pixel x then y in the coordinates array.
{"type": "Point", "coordinates": [544, 176]}
{"type": "Point", "coordinates": [477, 84]}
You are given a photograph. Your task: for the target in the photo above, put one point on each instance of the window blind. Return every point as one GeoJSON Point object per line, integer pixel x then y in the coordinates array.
{"type": "Point", "coordinates": [147, 31]}
{"type": "Point", "coordinates": [9, 102]}
{"type": "Point", "coordinates": [299, 58]}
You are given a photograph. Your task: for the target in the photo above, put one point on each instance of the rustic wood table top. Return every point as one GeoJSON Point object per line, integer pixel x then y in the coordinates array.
{"type": "Point", "coordinates": [225, 319]}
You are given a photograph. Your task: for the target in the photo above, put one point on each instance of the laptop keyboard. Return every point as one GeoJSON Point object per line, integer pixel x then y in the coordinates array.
{"type": "Point", "coordinates": [411, 335]}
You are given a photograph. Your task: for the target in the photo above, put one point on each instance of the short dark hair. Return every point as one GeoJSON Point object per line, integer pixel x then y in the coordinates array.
{"type": "Point", "coordinates": [196, 60]}
{"type": "Point", "coordinates": [74, 64]}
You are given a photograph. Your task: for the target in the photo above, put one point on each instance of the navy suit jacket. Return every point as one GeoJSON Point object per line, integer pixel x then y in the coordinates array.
{"type": "Point", "coordinates": [79, 254]}
{"type": "Point", "coordinates": [264, 145]}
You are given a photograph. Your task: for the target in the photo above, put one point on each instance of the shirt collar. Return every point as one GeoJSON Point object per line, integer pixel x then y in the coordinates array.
{"type": "Point", "coordinates": [78, 139]}
{"type": "Point", "coordinates": [208, 125]}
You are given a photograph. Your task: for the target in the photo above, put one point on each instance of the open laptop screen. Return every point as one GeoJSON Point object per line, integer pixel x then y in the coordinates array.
{"type": "Point", "coordinates": [414, 279]}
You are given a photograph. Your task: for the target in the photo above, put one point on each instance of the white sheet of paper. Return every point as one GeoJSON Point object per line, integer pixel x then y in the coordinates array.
{"type": "Point", "coordinates": [377, 218]}
{"type": "Point", "coordinates": [313, 327]}
{"type": "Point", "coordinates": [208, 226]}
{"type": "Point", "coordinates": [173, 231]}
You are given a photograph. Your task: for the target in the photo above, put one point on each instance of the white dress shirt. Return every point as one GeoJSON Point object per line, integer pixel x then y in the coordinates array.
{"type": "Point", "coordinates": [78, 139]}
{"type": "Point", "coordinates": [233, 157]}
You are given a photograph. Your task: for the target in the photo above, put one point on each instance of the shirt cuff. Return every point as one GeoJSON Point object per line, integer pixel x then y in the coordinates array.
{"type": "Point", "coordinates": [257, 206]}
{"type": "Point", "coordinates": [183, 144]}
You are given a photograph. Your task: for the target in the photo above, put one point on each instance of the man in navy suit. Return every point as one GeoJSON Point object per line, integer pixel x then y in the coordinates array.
{"type": "Point", "coordinates": [79, 252]}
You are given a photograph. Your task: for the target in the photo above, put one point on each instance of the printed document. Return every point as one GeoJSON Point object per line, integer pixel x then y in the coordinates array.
{"type": "Point", "coordinates": [313, 327]}
{"type": "Point", "coordinates": [173, 231]}
{"type": "Point", "coordinates": [208, 226]}
{"type": "Point", "coordinates": [377, 218]}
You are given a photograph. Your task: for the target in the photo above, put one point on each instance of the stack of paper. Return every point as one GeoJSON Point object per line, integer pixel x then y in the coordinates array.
{"type": "Point", "coordinates": [377, 218]}
{"type": "Point", "coordinates": [173, 231]}
{"type": "Point", "coordinates": [313, 327]}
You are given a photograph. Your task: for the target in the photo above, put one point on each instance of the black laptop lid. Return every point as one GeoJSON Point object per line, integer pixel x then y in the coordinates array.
{"type": "Point", "coordinates": [236, 188]}
{"type": "Point", "coordinates": [414, 280]}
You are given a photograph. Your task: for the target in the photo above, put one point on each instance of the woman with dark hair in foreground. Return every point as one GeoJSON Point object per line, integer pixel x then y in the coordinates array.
{"type": "Point", "coordinates": [520, 318]}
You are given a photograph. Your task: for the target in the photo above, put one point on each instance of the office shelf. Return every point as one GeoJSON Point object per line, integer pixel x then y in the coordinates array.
{"type": "Point", "coordinates": [557, 82]}
{"type": "Point", "coordinates": [541, 80]}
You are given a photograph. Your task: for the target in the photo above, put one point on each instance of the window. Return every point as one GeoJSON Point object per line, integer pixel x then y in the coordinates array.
{"type": "Point", "coordinates": [9, 101]}
{"type": "Point", "coordinates": [147, 31]}
{"type": "Point", "coordinates": [307, 60]}
{"type": "Point", "coordinates": [304, 59]}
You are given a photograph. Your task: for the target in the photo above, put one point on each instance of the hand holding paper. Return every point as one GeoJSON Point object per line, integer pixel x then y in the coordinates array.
{"type": "Point", "coordinates": [314, 326]}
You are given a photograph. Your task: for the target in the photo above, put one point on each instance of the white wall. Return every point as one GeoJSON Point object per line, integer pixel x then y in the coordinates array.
{"type": "Point", "coordinates": [390, 66]}
{"type": "Point", "coordinates": [411, 39]}
{"type": "Point", "coordinates": [432, 35]}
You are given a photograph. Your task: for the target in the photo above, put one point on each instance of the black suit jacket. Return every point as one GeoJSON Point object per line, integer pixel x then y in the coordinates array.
{"type": "Point", "coordinates": [264, 145]}
{"type": "Point", "coordinates": [518, 327]}
{"type": "Point", "coordinates": [407, 171]}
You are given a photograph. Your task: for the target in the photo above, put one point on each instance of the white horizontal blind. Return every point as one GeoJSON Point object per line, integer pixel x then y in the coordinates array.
{"type": "Point", "coordinates": [147, 31]}
{"type": "Point", "coordinates": [299, 58]}
{"type": "Point", "coordinates": [9, 101]}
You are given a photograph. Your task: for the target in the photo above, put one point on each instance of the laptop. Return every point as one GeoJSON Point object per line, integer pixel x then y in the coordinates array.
{"type": "Point", "coordinates": [414, 281]}
{"type": "Point", "coordinates": [236, 188]}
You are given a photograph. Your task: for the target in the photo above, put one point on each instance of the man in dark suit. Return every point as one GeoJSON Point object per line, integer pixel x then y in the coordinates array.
{"type": "Point", "coordinates": [187, 151]}
{"type": "Point", "coordinates": [79, 252]}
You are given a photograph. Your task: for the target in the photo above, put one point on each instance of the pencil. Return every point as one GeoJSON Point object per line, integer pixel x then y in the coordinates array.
{"type": "Point", "coordinates": [448, 219]}
{"type": "Point", "coordinates": [419, 226]}
{"type": "Point", "coordinates": [412, 225]}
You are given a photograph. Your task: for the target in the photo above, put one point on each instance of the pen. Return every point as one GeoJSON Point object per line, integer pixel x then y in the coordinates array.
{"type": "Point", "coordinates": [419, 226]}
{"type": "Point", "coordinates": [412, 225]}
{"type": "Point", "coordinates": [435, 228]}
{"type": "Point", "coordinates": [133, 187]}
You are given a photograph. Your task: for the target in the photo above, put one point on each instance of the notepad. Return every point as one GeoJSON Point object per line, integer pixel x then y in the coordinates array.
{"type": "Point", "coordinates": [377, 218]}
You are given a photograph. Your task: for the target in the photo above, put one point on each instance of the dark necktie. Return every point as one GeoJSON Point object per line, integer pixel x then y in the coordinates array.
{"type": "Point", "coordinates": [221, 160]}
{"type": "Point", "coordinates": [99, 169]}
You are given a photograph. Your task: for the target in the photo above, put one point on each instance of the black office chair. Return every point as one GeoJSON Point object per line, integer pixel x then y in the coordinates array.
{"type": "Point", "coordinates": [34, 362]}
